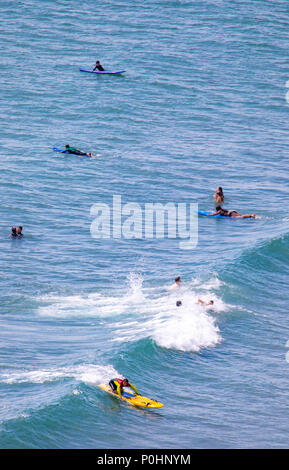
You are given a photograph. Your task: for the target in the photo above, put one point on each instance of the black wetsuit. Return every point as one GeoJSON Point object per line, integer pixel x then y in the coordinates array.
{"type": "Point", "coordinates": [14, 234]}
{"type": "Point", "coordinates": [99, 67]}
{"type": "Point", "coordinates": [74, 151]}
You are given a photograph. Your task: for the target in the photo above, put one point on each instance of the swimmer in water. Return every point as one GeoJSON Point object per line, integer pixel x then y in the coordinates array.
{"type": "Point", "coordinates": [200, 301]}
{"type": "Point", "coordinates": [176, 284]}
{"type": "Point", "coordinates": [225, 213]}
{"type": "Point", "coordinates": [19, 231]}
{"type": "Point", "coordinates": [179, 303]}
{"type": "Point", "coordinates": [219, 197]}
{"type": "Point", "coordinates": [13, 233]}
{"type": "Point", "coordinates": [16, 232]}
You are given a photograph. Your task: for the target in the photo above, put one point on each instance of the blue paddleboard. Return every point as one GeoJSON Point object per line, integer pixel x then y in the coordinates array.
{"type": "Point", "coordinates": [208, 213]}
{"type": "Point", "coordinates": [58, 150]}
{"type": "Point", "coordinates": [103, 72]}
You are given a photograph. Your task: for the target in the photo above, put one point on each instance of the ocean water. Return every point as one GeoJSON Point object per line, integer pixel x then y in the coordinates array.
{"type": "Point", "coordinates": [202, 104]}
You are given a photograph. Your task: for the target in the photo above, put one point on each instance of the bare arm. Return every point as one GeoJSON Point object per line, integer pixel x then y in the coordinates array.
{"type": "Point", "coordinates": [214, 213]}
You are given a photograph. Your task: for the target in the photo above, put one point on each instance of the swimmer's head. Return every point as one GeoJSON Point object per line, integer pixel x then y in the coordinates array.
{"type": "Point", "coordinates": [66, 146]}
{"type": "Point", "coordinates": [13, 230]}
{"type": "Point", "coordinates": [211, 302]}
{"type": "Point", "coordinates": [178, 279]}
{"type": "Point", "coordinates": [178, 303]}
{"type": "Point", "coordinates": [218, 208]}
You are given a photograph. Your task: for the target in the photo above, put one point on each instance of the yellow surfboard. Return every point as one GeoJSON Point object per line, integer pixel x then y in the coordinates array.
{"type": "Point", "coordinates": [132, 398]}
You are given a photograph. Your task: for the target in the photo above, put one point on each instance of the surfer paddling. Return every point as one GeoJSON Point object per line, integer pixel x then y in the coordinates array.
{"type": "Point", "coordinates": [75, 151]}
{"type": "Point", "coordinates": [225, 213]}
{"type": "Point", "coordinates": [117, 385]}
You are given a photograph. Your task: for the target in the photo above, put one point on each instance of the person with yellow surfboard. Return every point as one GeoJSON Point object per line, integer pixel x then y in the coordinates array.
{"type": "Point", "coordinates": [117, 385]}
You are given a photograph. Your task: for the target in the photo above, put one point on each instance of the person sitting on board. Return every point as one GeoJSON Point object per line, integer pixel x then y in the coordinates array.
{"type": "Point", "coordinates": [98, 66]}
{"type": "Point", "coordinates": [219, 197]}
{"type": "Point", "coordinates": [200, 301]}
{"type": "Point", "coordinates": [225, 213]}
{"type": "Point", "coordinates": [176, 284]}
{"type": "Point", "coordinates": [117, 386]}
{"type": "Point", "coordinates": [75, 151]}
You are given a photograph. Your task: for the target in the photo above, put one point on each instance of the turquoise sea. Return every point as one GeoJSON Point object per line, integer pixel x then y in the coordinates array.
{"type": "Point", "coordinates": [202, 104]}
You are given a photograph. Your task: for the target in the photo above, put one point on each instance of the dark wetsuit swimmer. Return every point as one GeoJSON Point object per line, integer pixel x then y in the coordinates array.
{"type": "Point", "coordinates": [98, 67]}
{"type": "Point", "coordinates": [13, 233]}
{"type": "Point", "coordinates": [75, 151]}
{"type": "Point", "coordinates": [16, 232]}
{"type": "Point", "coordinates": [19, 232]}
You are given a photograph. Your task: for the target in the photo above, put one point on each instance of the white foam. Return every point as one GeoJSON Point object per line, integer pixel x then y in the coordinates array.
{"type": "Point", "coordinates": [148, 313]}
{"type": "Point", "coordinates": [213, 283]}
{"type": "Point", "coordinates": [94, 304]}
{"type": "Point", "coordinates": [89, 305]}
{"type": "Point", "coordinates": [87, 373]}
{"type": "Point", "coordinates": [188, 329]}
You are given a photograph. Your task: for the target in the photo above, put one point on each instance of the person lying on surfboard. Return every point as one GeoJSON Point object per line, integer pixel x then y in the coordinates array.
{"type": "Point", "coordinates": [75, 151]}
{"type": "Point", "coordinates": [226, 213]}
{"type": "Point", "coordinates": [117, 385]}
{"type": "Point", "coordinates": [98, 67]}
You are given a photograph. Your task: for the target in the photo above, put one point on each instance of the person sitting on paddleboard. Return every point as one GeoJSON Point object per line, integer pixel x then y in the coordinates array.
{"type": "Point", "coordinates": [75, 151]}
{"type": "Point", "coordinates": [219, 197]}
{"type": "Point", "coordinates": [118, 384]}
{"type": "Point", "coordinates": [226, 213]}
{"type": "Point", "coordinates": [98, 67]}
